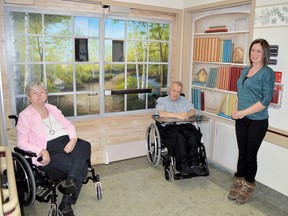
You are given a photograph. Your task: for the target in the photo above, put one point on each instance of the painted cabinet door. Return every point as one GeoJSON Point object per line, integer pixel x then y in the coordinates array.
{"type": "Point", "coordinates": [206, 135]}
{"type": "Point", "coordinates": [225, 150]}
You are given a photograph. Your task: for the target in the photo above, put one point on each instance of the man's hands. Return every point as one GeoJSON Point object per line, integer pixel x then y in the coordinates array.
{"type": "Point", "coordinates": [183, 116]}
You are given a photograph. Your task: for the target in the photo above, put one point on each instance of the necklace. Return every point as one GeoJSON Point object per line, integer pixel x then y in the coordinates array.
{"type": "Point", "coordinates": [51, 131]}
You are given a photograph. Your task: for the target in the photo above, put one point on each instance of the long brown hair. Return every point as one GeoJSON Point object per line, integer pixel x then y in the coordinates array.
{"type": "Point", "coordinates": [265, 48]}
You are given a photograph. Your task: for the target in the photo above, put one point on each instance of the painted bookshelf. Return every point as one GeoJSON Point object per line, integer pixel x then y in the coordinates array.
{"type": "Point", "coordinates": [219, 52]}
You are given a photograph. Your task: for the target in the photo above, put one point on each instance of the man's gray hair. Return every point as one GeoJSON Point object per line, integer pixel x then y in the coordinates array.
{"type": "Point", "coordinates": [177, 83]}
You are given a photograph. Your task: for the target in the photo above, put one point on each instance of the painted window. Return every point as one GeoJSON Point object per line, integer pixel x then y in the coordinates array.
{"type": "Point", "coordinates": [90, 64]}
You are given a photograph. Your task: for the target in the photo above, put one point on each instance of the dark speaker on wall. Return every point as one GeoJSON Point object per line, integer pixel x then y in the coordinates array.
{"type": "Point", "coordinates": [273, 62]}
{"type": "Point", "coordinates": [273, 50]}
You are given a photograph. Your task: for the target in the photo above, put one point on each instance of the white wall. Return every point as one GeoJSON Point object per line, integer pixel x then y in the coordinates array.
{"type": "Point", "coordinates": [272, 159]}
{"type": "Point", "coordinates": [176, 4]}
{"type": "Point", "coordinates": [193, 3]}
{"type": "Point", "coordinates": [272, 167]}
{"type": "Point", "coordinates": [276, 35]}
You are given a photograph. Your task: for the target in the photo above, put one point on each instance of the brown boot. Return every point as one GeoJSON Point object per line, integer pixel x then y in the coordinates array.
{"type": "Point", "coordinates": [236, 186]}
{"type": "Point", "coordinates": [245, 193]}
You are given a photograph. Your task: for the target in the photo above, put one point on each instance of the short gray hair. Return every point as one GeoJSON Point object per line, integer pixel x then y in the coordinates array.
{"type": "Point", "coordinates": [34, 84]}
{"type": "Point", "coordinates": [179, 83]}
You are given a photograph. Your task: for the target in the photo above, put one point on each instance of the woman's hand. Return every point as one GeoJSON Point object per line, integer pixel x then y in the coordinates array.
{"type": "Point", "coordinates": [45, 157]}
{"type": "Point", "coordinates": [238, 114]}
{"type": "Point", "coordinates": [70, 145]}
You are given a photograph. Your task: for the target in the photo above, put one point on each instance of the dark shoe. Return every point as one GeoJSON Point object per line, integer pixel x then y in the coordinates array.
{"type": "Point", "coordinates": [68, 187]}
{"type": "Point", "coordinates": [196, 170]}
{"type": "Point", "coordinates": [65, 210]}
{"type": "Point", "coordinates": [185, 170]}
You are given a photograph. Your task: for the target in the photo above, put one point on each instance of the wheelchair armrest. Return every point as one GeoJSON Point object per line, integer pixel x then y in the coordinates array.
{"type": "Point", "coordinates": [25, 153]}
{"type": "Point", "coordinates": [15, 117]}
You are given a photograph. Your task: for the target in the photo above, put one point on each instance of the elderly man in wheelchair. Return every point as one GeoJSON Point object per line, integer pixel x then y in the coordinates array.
{"type": "Point", "coordinates": [42, 129]}
{"type": "Point", "coordinates": [182, 137]}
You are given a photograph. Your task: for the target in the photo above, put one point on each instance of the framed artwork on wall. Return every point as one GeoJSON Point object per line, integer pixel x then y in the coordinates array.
{"type": "Point", "coordinates": [271, 16]}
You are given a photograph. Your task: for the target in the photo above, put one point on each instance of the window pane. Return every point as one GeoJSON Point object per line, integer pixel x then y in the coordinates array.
{"type": "Point", "coordinates": [58, 49]}
{"type": "Point", "coordinates": [26, 23]}
{"type": "Point", "coordinates": [35, 23]}
{"type": "Point", "coordinates": [93, 50]}
{"type": "Point", "coordinates": [136, 101]}
{"type": "Point", "coordinates": [137, 30]}
{"type": "Point", "coordinates": [63, 102]}
{"type": "Point", "coordinates": [117, 51]}
{"type": "Point", "coordinates": [114, 103]}
{"type": "Point", "coordinates": [158, 52]}
{"type": "Point", "coordinates": [24, 73]}
{"type": "Point", "coordinates": [114, 76]}
{"type": "Point", "coordinates": [19, 49]}
{"type": "Point", "coordinates": [57, 25]}
{"type": "Point", "coordinates": [87, 104]}
{"type": "Point", "coordinates": [159, 31]}
{"type": "Point", "coordinates": [108, 50]}
{"type": "Point", "coordinates": [81, 49]}
{"type": "Point", "coordinates": [151, 101]}
{"type": "Point", "coordinates": [114, 51]}
{"type": "Point", "coordinates": [137, 51]}
{"type": "Point", "coordinates": [28, 49]}
{"type": "Point", "coordinates": [157, 76]}
{"type": "Point", "coordinates": [21, 104]}
{"type": "Point", "coordinates": [136, 76]}
{"type": "Point", "coordinates": [36, 49]}
{"type": "Point", "coordinates": [87, 77]}
{"type": "Point", "coordinates": [114, 28]}
{"type": "Point", "coordinates": [17, 22]}
{"type": "Point", "coordinates": [86, 49]}
{"type": "Point", "coordinates": [86, 26]}
{"type": "Point", "coordinates": [59, 78]}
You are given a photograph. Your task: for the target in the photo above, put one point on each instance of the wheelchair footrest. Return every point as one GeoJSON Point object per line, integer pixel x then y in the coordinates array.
{"type": "Point", "coordinates": [204, 172]}
{"type": "Point", "coordinates": [178, 176]}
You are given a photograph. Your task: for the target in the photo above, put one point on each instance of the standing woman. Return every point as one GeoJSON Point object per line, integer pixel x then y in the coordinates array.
{"type": "Point", "coordinates": [254, 91]}
{"type": "Point", "coordinates": [43, 129]}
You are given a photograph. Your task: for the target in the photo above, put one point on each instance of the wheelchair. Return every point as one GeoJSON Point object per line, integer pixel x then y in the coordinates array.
{"type": "Point", "coordinates": [158, 151]}
{"type": "Point", "coordinates": [36, 183]}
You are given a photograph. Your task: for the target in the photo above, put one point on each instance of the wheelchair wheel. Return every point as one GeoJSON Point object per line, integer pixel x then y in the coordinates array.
{"type": "Point", "coordinates": [172, 167]}
{"type": "Point", "coordinates": [167, 174]}
{"type": "Point", "coordinates": [25, 180]}
{"type": "Point", "coordinates": [153, 144]}
{"type": "Point", "coordinates": [98, 189]}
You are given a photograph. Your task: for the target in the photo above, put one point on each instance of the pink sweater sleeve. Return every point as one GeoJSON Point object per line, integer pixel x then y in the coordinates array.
{"type": "Point", "coordinates": [30, 132]}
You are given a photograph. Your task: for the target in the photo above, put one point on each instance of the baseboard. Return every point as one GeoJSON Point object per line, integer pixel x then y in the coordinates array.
{"type": "Point", "coordinates": [124, 151]}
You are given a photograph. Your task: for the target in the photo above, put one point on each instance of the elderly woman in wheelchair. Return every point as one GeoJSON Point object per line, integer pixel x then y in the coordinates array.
{"type": "Point", "coordinates": [43, 129]}
{"type": "Point", "coordinates": [181, 137]}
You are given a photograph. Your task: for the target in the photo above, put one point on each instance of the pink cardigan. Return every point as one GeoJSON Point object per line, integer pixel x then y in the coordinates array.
{"type": "Point", "coordinates": [31, 134]}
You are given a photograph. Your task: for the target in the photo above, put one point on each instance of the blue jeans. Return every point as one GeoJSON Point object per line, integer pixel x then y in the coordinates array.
{"type": "Point", "coordinates": [250, 134]}
{"type": "Point", "coordinates": [74, 164]}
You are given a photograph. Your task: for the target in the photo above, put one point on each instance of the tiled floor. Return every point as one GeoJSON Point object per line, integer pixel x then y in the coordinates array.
{"type": "Point", "coordinates": [135, 188]}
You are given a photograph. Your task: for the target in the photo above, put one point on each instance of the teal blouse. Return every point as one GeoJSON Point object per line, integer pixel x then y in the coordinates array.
{"type": "Point", "coordinates": [258, 87]}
